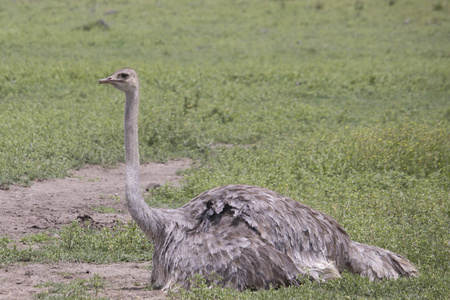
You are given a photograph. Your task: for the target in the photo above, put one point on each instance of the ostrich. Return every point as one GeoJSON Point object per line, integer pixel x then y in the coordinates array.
{"type": "Point", "coordinates": [248, 237]}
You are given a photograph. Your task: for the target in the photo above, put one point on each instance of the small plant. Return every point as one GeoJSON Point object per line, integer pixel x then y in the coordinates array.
{"type": "Point", "coordinates": [97, 283]}
{"type": "Point", "coordinates": [10, 252]}
{"type": "Point", "coordinates": [99, 24]}
{"type": "Point", "coordinates": [93, 179]}
{"type": "Point", "coordinates": [438, 6]}
{"type": "Point", "coordinates": [4, 241]}
{"type": "Point", "coordinates": [77, 289]}
{"type": "Point", "coordinates": [104, 209]}
{"type": "Point", "coordinates": [114, 197]}
{"type": "Point", "coordinates": [66, 274]}
{"type": "Point", "coordinates": [39, 237]}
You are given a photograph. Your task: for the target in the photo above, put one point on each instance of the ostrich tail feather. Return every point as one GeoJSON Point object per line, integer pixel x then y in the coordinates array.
{"type": "Point", "coordinates": [377, 263]}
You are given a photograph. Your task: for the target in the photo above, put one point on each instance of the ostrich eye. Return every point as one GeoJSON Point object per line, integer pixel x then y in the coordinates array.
{"type": "Point", "coordinates": [123, 75]}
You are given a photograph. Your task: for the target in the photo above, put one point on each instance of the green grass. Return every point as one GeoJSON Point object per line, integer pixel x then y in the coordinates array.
{"type": "Point", "coordinates": [77, 242]}
{"type": "Point", "coordinates": [104, 209]}
{"type": "Point", "coordinates": [77, 289]}
{"type": "Point", "coordinates": [342, 105]}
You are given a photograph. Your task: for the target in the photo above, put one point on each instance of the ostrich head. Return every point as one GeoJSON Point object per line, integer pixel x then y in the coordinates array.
{"type": "Point", "coordinates": [125, 80]}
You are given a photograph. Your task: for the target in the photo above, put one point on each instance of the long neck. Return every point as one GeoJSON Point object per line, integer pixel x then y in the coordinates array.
{"type": "Point", "coordinates": [146, 217]}
{"type": "Point", "coordinates": [132, 177]}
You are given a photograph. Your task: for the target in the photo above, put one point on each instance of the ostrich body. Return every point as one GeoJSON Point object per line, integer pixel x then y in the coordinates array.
{"type": "Point", "coordinates": [250, 237]}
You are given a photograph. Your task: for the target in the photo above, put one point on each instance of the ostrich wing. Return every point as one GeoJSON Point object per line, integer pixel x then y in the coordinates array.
{"type": "Point", "coordinates": [311, 239]}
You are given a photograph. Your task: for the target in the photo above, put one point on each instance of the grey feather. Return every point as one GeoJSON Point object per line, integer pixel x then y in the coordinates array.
{"type": "Point", "coordinates": [250, 237]}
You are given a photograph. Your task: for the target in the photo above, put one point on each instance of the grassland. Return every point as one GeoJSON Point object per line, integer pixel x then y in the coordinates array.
{"type": "Point", "coordinates": [342, 105]}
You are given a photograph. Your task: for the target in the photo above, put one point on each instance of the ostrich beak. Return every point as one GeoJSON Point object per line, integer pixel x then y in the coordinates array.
{"type": "Point", "coordinates": [106, 80]}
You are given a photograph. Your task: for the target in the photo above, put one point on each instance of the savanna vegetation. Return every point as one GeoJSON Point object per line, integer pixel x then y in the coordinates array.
{"type": "Point", "coordinates": [342, 105]}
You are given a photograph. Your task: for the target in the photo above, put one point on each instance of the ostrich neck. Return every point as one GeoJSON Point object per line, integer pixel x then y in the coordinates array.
{"type": "Point", "coordinates": [145, 217]}
{"type": "Point", "coordinates": [131, 138]}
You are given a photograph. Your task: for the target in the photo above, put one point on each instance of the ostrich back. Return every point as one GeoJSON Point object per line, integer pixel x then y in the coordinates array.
{"type": "Point", "coordinates": [248, 237]}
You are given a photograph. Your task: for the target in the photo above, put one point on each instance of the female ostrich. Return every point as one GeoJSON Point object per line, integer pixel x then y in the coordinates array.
{"type": "Point", "coordinates": [250, 237]}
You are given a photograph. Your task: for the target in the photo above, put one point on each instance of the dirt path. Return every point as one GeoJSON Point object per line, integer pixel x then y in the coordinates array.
{"type": "Point", "coordinates": [51, 204]}
{"type": "Point", "coordinates": [123, 280]}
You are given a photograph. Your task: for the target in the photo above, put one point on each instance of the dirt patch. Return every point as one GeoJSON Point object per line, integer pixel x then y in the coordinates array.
{"type": "Point", "coordinates": [51, 204]}
{"type": "Point", "coordinates": [123, 280]}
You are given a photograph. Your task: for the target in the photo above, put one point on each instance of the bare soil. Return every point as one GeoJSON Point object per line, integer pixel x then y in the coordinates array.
{"type": "Point", "coordinates": [51, 204]}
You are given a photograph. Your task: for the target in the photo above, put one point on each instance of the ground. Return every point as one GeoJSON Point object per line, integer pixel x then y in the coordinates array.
{"type": "Point", "coordinates": [50, 204]}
